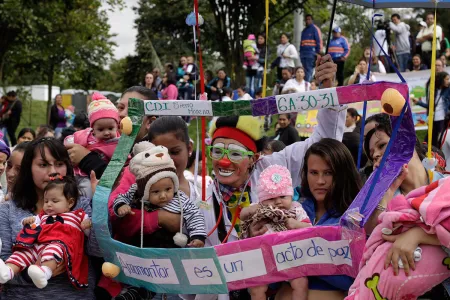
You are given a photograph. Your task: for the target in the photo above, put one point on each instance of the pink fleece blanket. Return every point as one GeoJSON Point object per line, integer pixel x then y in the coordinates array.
{"type": "Point", "coordinates": [427, 207]}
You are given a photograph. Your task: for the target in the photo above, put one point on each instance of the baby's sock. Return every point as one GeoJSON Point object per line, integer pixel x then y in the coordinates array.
{"type": "Point", "coordinates": [6, 273]}
{"type": "Point", "coordinates": [40, 275]}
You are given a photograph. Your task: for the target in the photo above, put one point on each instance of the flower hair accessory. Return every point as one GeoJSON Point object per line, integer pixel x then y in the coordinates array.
{"type": "Point", "coordinates": [274, 181]}
{"type": "Point", "coordinates": [54, 177]}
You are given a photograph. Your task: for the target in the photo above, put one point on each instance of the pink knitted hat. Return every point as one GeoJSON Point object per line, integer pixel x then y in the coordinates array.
{"type": "Point", "coordinates": [274, 181]}
{"type": "Point", "coordinates": [251, 37]}
{"type": "Point", "coordinates": [102, 108]}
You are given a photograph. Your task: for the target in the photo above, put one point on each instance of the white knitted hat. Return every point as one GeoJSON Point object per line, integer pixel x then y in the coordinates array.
{"type": "Point", "coordinates": [150, 164]}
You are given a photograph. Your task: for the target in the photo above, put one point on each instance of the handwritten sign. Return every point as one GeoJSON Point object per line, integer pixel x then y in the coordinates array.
{"type": "Point", "coordinates": [243, 265]}
{"type": "Point", "coordinates": [159, 271]}
{"type": "Point", "coordinates": [306, 101]}
{"type": "Point", "coordinates": [201, 271]}
{"type": "Point", "coordinates": [312, 251]}
{"type": "Point", "coordinates": [178, 108]}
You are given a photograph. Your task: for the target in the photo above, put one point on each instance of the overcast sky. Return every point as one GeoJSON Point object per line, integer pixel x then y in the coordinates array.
{"type": "Point", "coordinates": [122, 24]}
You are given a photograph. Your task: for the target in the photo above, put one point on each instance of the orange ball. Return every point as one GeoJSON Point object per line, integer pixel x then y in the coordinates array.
{"type": "Point", "coordinates": [110, 270]}
{"type": "Point", "coordinates": [392, 102]}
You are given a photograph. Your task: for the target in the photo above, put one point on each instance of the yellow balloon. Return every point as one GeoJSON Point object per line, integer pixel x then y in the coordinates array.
{"type": "Point", "coordinates": [126, 126]}
{"type": "Point", "coordinates": [392, 102]}
{"type": "Point", "coordinates": [110, 270]}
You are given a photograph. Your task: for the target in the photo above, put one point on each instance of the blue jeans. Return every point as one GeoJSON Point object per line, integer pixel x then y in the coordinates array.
{"type": "Point", "coordinates": [403, 61]}
{"type": "Point", "coordinates": [5, 135]}
{"type": "Point", "coordinates": [308, 63]}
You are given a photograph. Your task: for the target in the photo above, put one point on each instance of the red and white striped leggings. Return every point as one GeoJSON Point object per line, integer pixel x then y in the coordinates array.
{"type": "Point", "coordinates": [27, 257]}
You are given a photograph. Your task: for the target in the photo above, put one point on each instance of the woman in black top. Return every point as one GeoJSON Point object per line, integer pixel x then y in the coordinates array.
{"type": "Point", "coordinates": [286, 132]}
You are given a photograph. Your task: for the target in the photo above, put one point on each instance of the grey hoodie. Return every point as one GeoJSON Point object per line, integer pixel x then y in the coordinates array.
{"type": "Point", "coordinates": [401, 37]}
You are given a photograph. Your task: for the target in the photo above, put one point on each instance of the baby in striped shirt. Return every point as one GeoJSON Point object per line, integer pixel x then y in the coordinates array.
{"type": "Point", "coordinates": [157, 187]}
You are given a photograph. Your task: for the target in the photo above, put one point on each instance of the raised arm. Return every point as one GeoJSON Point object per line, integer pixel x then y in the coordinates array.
{"type": "Point", "coordinates": [331, 123]}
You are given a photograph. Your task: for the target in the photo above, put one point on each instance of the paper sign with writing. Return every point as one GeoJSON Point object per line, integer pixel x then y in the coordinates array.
{"type": "Point", "coordinates": [291, 254]}
{"type": "Point", "coordinates": [178, 108]}
{"type": "Point", "coordinates": [243, 265]}
{"type": "Point", "coordinates": [151, 270]}
{"type": "Point", "coordinates": [201, 271]}
{"type": "Point", "coordinates": [311, 251]}
{"type": "Point", "coordinates": [307, 101]}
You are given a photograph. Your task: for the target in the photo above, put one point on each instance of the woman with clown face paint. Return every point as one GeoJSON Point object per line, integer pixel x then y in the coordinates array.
{"type": "Point", "coordinates": [234, 151]}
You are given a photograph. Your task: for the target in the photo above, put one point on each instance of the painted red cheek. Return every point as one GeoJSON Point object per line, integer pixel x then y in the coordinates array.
{"type": "Point", "coordinates": [224, 163]}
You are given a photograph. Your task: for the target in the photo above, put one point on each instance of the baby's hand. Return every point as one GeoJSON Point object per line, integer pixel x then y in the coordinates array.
{"type": "Point", "coordinates": [29, 220]}
{"type": "Point", "coordinates": [86, 224]}
{"type": "Point", "coordinates": [196, 244]}
{"type": "Point", "coordinates": [124, 210]}
{"type": "Point", "coordinates": [295, 224]}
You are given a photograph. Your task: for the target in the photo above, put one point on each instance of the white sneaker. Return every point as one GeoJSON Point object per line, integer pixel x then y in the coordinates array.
{"type": "Point", "coordinates": [38, 276]}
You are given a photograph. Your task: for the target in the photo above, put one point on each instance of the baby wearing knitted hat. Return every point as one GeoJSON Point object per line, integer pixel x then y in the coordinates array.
{"type": "Point", "coordinates": [157, 187]}
{"type": "Point", "coordinates": [280, 213]}
{"type": "Point", "coordinates": [102, 137]}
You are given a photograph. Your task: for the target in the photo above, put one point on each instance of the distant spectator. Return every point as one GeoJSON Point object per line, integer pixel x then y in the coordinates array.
{"type": "Point", "coordinates": [351, 141]}
{"type": "Point", "coordinates": [443, 58]}
{"type": "Point", "coordinates": [243, 93]}
{"type": "Point", "coordinates": [425, 38]}
{"type": "Point", "coordinates": [286, 54]}
{"type": "Point", "coordinates": [313, 86]}
{"type": "Point", "coordinates": [261, 59]}
{"type": "Point", "coordinates": [217, 84]}
{"type": "Point", "coordinates": [81, 121]}
{"type": "Point", "coordinates": [384, 40]}
{"type": "Point", "coordinates": [352, 120]}
{"type": "Point", "coordinates": [286, 74]}
{"type": "Point", "coordinates": [402, 44]}
{"type": "Point", "coordinates": [339, 50]}
{"type": "Point", "coordinates": [26, 135]}
{"type": "Point", "coordinates": [10, 115]}
{"type": "Point", "coordinates": [422, 26]}
{"type": "Point", "coordinates": [45, 131]}
{"type": "Point", "coordinates": [228, 93]}
{"type": "Point", "coordinates": [417, 64]}
{"type": "Point", "coordinates": [58, 116]}
{"type": "Point", "coordinates": [361, 73]}
{"type": "Point", "coordinates": [181, 70]}
{"type": "Point", "coordinates": [170, 92]}
{"type": "Point", "coordinates": [150, 82]}
{"type": "Point", "coordinates": [191, 69]}
{"type": "Point", "coordinates": [169, 68]}
{"type": "Point", "coordinates": [297, 84]}
{"type": "Point", "coordinates": [258, 93]}
{"type": "Point", "coordinates": [310, 46]}
{"type": "Point", "coordinates": [376, 66]}
{"type": "Point", "coordinates": [3, 106]}
{"type": "Point", "coordinates": [286, 132]}
{"type": "Point", "coordinates": [158, 81]}
{"type": "Point", "coordinates": [273, 146]}
{"type": "Point", "coordinates": [441, 104]}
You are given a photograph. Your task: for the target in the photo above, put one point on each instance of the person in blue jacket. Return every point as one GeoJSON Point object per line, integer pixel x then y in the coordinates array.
{"type": "Point", "coordinates": [339, 50]}
{"type": "Point", "coordinates": [325, 195]}
{"type": "Point", "coordinates": [311, 44]}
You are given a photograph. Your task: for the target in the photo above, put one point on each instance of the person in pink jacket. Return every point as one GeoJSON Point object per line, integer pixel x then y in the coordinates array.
{"type": "Point", "coordinates": [170, 92]}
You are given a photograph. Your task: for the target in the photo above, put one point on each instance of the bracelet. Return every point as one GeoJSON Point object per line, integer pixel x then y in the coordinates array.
{"type": "Point", "coordinates": [381, 208]}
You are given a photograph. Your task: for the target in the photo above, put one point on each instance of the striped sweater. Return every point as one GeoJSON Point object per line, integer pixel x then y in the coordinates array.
{"type": "Point", "coordinates": [193, 219]}
{"type": "Point", "coordinates": [58, 287]}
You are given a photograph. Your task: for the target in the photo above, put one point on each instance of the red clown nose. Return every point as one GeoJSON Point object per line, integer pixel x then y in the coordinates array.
{"type": "Point", "coordinates": [224, 163]}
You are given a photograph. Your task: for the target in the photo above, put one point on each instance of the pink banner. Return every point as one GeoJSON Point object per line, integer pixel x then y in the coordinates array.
{"type": "Point", "coordinates": [322, 250]}
{"type": "Point", "coordinates": [370, 91]}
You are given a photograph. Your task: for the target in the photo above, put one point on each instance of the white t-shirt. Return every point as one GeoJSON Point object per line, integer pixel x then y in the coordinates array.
{"type": "Point", "coordinates": [362, 78]}
{"type": "Point", "coordinates": [245, 97]}
{"type": "Point", "coordinates": [380, 35]}
{"type": "Point", "coordinates": [439, 112]}
{"type": "Point", "coordinates": [299, 87]}
{"type": "Point", "coordinates": [426, 46]}
{"type": "Point", "coordinates": [289, 51]}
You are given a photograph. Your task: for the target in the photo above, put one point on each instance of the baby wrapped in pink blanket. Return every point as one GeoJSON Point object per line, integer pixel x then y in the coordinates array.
{"type": "Point", "coordinates": [428, 208]}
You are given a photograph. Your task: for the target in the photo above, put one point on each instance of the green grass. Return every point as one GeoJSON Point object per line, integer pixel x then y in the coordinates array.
{"type": "Point", "coordinates": [34, 113]}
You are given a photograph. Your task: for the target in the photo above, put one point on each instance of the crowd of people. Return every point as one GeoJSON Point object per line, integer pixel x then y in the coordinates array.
{"type": "Point", "coordinates": [258, 185]}
{"type": "Point", "coordinates": [49, 248]}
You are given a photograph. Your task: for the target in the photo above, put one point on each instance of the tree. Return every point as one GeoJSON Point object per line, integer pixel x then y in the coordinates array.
{"type": "Point", "coordinates": [53, 36]}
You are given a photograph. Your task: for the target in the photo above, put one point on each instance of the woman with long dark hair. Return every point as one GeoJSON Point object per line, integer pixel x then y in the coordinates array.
{"type": "Point", "coordinates": [40, 159]}
{"type": "Point", "coordinates": [58, 116]}
{"type": "Point", "coordinates": [441, 105]}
